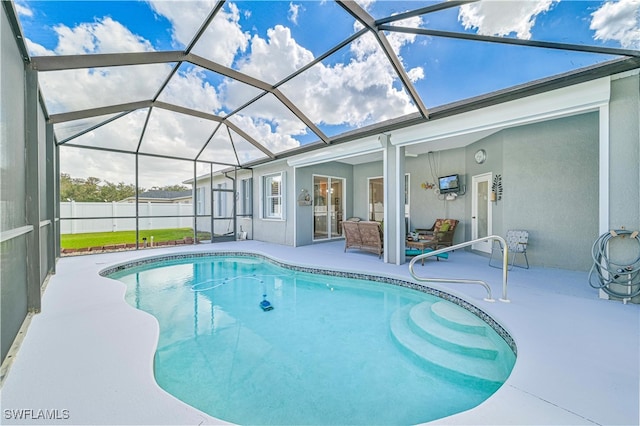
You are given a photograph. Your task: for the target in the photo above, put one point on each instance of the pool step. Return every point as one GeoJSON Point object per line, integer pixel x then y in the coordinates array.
{"type": "Point", "coordinates": [444, 350]}
{"type": "Point", "coordinates": [457, 318]}
{"type": "Point", "coordinates": [451, 330]}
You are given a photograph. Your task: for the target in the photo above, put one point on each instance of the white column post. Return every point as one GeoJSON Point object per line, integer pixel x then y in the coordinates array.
{"type": "Point", "coordinates": [393, 168]}
{"type": "Point", "coordinates": [603, 201]}
{"type": "Point", "coordinates": [603, 222]}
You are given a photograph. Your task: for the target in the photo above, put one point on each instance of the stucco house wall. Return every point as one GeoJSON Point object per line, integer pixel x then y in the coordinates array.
{"type": "Point", "coordinates": [304, 180]}
{"type": "Point", "coordinates": [550, 173]}
{"type": "Point", "coordinates": [426, 204]}
{"type": "Point", "coordinates": [278, 231]}
{"type": "Point", "coordinates": [550, 180]}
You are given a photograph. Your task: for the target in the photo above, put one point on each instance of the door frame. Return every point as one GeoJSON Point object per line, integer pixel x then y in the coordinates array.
{"type": "Point", "coordinates": [329, 202]}
{"type": "Point", "coordinates": [218, 193]}
{"type": "Point", "coordinates": [475, 180]}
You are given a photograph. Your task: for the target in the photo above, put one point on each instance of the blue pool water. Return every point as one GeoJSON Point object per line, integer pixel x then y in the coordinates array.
{"type": "Point", "coordinates": [332, 351]}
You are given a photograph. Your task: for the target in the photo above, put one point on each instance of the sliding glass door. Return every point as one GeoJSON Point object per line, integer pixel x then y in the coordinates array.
{"type": "Point", "coordinates": [328, 207]}
{"type": "Point", "coordinates": [376, 199]}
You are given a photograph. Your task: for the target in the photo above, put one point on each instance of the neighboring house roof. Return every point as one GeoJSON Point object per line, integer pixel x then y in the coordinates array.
{"type": "Point", "coordinates": [160, 196]}
{"type": "Point", "coordinates": [165, 194]}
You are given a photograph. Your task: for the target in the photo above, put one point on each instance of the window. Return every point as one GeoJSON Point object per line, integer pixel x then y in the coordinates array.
{"type": "Point", "coordinates": [221, 200]}
{"type": "Point", "coordinates": [272, 190]}
{"type": "Point", "coordinates": [246, 197]}
{"type": "Point", "coordinates": [200, 201]}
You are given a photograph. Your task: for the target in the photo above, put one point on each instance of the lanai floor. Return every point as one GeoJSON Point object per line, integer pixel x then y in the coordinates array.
{"type": "Point", "coordinates": [90, 353]}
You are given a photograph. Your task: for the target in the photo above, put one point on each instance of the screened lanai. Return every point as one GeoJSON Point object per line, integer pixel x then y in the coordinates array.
{"type": "Point", "coordinates": [154, 95]}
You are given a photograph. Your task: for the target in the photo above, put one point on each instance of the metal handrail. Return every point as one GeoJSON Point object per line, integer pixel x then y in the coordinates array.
{"type": "Point", "coordinates": [505, 264]}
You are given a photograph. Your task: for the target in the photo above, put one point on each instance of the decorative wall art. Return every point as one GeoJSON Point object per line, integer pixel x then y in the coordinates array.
{"type": "Point", "coordinates": [304, 199]}
{"type": "Point", "coordinates": [427, 185]}
{"type": "Point", "coordinates": [496, 188]}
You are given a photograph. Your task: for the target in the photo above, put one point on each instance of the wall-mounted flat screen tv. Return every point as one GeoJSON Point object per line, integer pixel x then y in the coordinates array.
{"type": "Point", "coordinates": [449, 183]}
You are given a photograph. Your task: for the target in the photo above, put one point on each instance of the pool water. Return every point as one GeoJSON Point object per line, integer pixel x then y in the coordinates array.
{"type": "Point", "coordinates": [332, 351]}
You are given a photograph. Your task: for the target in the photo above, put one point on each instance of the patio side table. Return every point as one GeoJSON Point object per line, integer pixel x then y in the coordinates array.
{"type": "Point", "coordinates": [422, 245]}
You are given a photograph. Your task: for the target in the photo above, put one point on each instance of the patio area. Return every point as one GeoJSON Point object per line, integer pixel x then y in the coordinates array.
{"type": "Point", "coordinates": [88, 355]}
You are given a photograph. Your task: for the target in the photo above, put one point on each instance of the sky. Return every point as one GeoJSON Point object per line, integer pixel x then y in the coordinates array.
{"type": "Point", "coordinates": [269, 40]}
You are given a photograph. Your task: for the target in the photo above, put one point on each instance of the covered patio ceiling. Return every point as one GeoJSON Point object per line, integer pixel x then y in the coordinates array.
{"type": "Point", "coordinates": [238, 83]}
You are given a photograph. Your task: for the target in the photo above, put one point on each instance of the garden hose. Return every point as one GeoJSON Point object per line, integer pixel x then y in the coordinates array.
{"type": "Point", "coordinates": [604, 273]}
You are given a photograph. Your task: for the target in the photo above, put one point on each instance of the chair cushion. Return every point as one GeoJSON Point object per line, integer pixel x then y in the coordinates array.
{"type": "Point", "coordinates": [416, 252]}
{"type": "Point", "coordinates": [445, 227]}
{"type": "Point", "coordinates": [412, 252]}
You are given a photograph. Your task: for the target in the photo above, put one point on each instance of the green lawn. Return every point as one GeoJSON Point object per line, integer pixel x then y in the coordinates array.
{"type": "Point", "coordinates": [96, 239]}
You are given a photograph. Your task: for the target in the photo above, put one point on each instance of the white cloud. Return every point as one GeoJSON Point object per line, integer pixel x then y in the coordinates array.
{"type": "Point", "coordinates": [223, 39]}
{"type": "Point", "coordinates": [177, 135]}
{"type": "Point", "coordinates": [36, 49]}
{"type": "Point", "coordinates": [276, 57]}
{"type": "Point", "coordinates": [186, 17]}
{"type": "Point", "coordinates": [23, 9]}
{"type": "Point", "coordinates": [398, 40]}
{"type": "Point", "coordinates": [201, 95]}
{"type": "Point", "coordinates": [503, 17]}
{"type": "Point", "coordinates": [355, 93]}
{"type": "Point", "coordinates": [102, 36]}
{"type": "Point", "coordinates": [416, 74]}
{"type": "Point", "coordinates": [365, 4]}
{"type": "Point", "coordinates": [618, 21]}
{"type": "Point", "coordinates": [294, 10]}
{"type": "Point", "coordinates": [84, 163]}
{"type": "Point", "coordinates": [77, 89]}
{"type": "Point", "coordinates": [110, 135]}
{"type": "Point", "coordinates": [224, 42]}
{"type": "Point", "coordinates": [263, 131]}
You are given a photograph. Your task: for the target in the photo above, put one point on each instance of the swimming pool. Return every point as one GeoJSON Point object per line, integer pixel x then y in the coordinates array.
{"type": "Point", "coordinates": [337, 348]}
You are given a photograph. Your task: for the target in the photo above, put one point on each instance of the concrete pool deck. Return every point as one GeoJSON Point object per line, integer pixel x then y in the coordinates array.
{"type": "Point", "coordinates": [87, 357]}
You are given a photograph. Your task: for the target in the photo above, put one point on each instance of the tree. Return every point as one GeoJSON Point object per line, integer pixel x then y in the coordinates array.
{"type": "Point", "coordinates": [91, 189]}
{"type": "Point", "coordinates": [116, 192]}
{"type": "Point", "coordinates": [78, 189]}
{"type": "Point", "coordinates": [94, 190]}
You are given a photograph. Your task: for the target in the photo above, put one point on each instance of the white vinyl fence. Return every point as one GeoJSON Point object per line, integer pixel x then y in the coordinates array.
{"type": "Point", "coordinates": [109, 211]}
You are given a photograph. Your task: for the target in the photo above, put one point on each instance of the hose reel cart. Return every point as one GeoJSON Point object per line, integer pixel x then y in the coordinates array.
{"type": "Point", "coordinates": [616, 264]}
